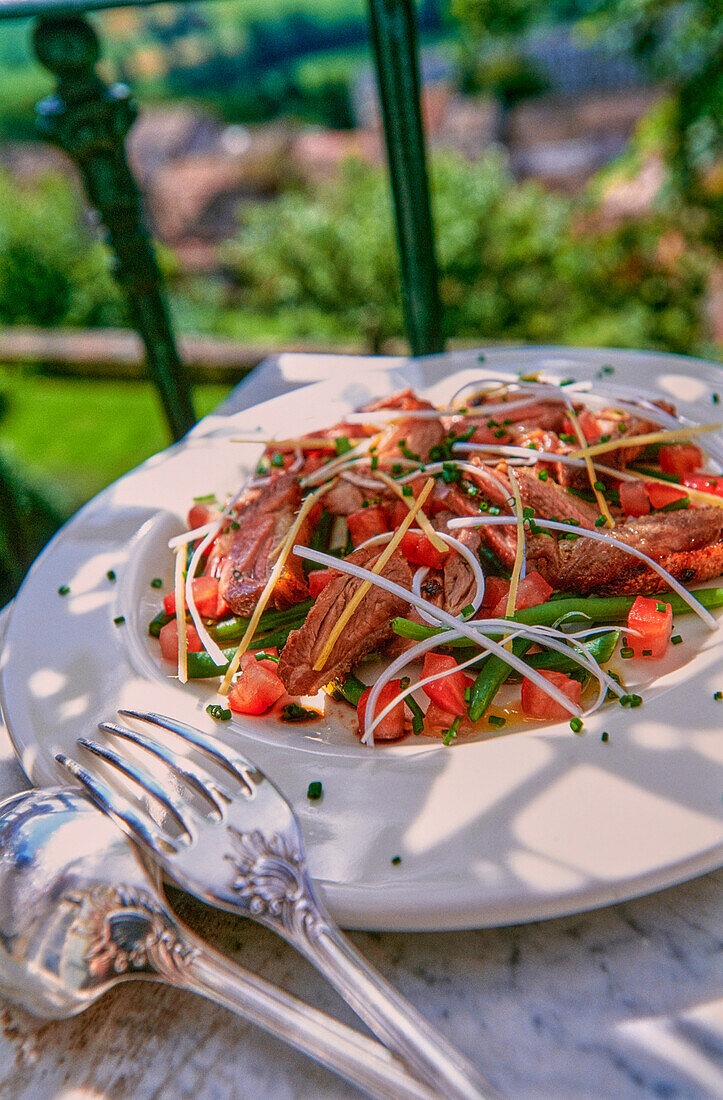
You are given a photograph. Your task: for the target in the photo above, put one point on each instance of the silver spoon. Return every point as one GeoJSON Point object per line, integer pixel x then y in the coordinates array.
{"type": "Point", "coordinates": [80, 911]}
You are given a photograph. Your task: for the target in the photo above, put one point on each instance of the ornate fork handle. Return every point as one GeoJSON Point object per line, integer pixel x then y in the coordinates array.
{"type": "Point", "coordinates": [271, 881]}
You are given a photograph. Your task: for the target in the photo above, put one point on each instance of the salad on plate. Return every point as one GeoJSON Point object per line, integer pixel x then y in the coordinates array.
{"type": "Point", "coordinates": [519, 554]}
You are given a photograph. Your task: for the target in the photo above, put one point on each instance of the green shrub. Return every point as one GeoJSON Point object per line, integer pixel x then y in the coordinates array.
{"type": "Point", "coordinates": [52, 270]}
{"type": "Point", "coordinates": [516, 263]}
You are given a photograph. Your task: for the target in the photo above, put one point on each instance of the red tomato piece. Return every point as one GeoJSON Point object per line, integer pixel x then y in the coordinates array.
{"type": "Point", "coordinates": [256, 689]}
{"type": "Point", "coordinates": [253, 656]}
{"type": "Point", "coordinates": [536, 703]}
{"type": "Point", "coordinates": [398, 513]}
{"type": "Point", "coordinates": [531, 592]}
{"type": "Point", "coordinates": [169, 640]}
{"type": "Point", "coordinates": [366, 523]}
{"type": "Point", "coordinates": [705, 483]}
{"type": "Point", "coordinates": [662, 495]}
{"type": "Point", "coordinates": [649, 627]}
{"type": "Point", "coordinates": [419, 550]}
{"type": "Point", "coordinates": [437, 719]}
{"type": "Point", "coordinates": [448, 692]}
{"type": "Point", "coordinates": [206, 597]}
{"type": "Point", "coordinates": [496, 588]}
{"type": "Point", "coordinates": [588, 425]}
{"type": "Point", "coordinates": [634, 499]}
{"type": "Point", "coordinates": [318, 580]}
{"type": "Point", "coordinates": [680, 458]}
{"type": "Point", "coordinates": [391, 727]}
{"type": "Point", "coordinates": [200, 515]}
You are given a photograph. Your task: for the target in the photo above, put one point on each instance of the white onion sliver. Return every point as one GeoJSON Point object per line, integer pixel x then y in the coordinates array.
{"type": "Point", "coordinates": [443, 617]}
{"type": "Point", "coordinates": [213, 650]}
{"type": "Point", "coordinates": [582, 532]}
{"type": "Point", "coordinates": [190, 536]}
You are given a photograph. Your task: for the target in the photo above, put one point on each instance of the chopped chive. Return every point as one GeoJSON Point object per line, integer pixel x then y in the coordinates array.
{"type": "Point", "coordinates": [496, 720]}
{"type": "Point", "coordinates": [451, 733]}
{"type": "Point", "coordinates": [661, 607]}
{"type": "Point", "coordinates": [493, 423]}
{"type": "Point", "coordinates": [397, 469]}
{"type": "Point", "coordinates": [493, 510]}
{"type": "Point", "coordinates": [718, 696]}
{"type": "Point", "coordinates": [636, 700]}
{"type": "Point", "coordinates": [599, 486]}
{"type": "Point", "coordinates": [277, 459]}
{"type": "Point", "coordinates": [262, 655]}
{"type": "Point", "coordinates": [576, 724]}
{"type": "Point", "coordinates": [417, 714]}
{"type": "Point", "coordinates": [566, 437]}
{"type": "Point", "coordinates": [342, 444]}
{"type": "Point", "coordinates": [314, 791]}
{"type": "Point", "coordinates": [207, 499]}
{"type": "Point", "coordinates": [411, 455]}
{"type": "Point", "coordinates": [407, 491]}
{"type": "Point", "coordinates": [715, 398]}
{"type": "Point", "coordinates": [600, 521]}
{"type": "Point", "coordinates": [375, 462]}
{"type": "Point", "coordinates": [568, 382]}
{"type": "Point", "coordinates": [467, 611]}
{"type": "Point", "coordinates": [500, 433]}
{"type": "Point", "coordinates": [156, 582]}
{"type": "Point", "coordinates": [119, 620]}
{"type": "Point", "coordinates": [528, 512]}
{"type": "Point", "coordinates": [64, 590]}
{"type": "Point", "coordinates": [647, 653]}
{"type": "Point", "coordinates": [218, 712]}
{"type": "Point", "coordinates": [627, 652]}
{"type": "Point", "coordinates": [396, 860]}
{"type": "Point", "coordinates": [542, 475]}
{"type": "Point", "coordinates": [604, 736]}
{"type": "Point", "coordinates": [292, 712]}
{"type": "Point", "coordinates": [676, 639]}
{"type": "Point", "coordinates": [110, 575]}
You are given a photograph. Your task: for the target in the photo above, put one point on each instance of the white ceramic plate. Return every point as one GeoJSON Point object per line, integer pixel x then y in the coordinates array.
{"type": "Point", "coordinates": [514, 828]}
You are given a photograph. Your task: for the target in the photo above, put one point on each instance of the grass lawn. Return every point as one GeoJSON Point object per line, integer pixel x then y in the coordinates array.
{"type": "Point", "coordinates": [71, 438]}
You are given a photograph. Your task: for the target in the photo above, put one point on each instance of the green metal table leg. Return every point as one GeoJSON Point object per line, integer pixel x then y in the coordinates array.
{"type": "Point", "coordinates": [394, 37]}
{"type": "Point", "coordinates": [90, 122]}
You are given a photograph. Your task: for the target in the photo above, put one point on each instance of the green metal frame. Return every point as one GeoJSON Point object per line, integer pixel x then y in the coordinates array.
{"type": "Point", "coordinates": [394, 37]}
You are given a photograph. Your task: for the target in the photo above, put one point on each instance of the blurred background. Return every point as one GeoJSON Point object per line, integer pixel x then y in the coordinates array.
{"type": "Point", "coordinates": [577, 187]}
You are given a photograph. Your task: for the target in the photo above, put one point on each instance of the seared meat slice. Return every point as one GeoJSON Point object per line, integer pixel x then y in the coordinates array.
{"type": "Point", "coordinates": [240, 557]}
{"type": "Point", "coordinates": [687, 543]}
{"type": "Point", "coordinates": [536, 415]}
{"type": "Point", "coordinates": [459, 583]}
{"type": "Point", "coordinates": [369, 626]}
{"type": "Point", "coordinates": [343, 499]}
{"type": "Point", "coordinates": [550, 501]}
{"type": "Point", "coordinates": [418, 435]}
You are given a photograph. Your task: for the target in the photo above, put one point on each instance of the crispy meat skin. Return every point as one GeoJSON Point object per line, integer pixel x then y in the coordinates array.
{"type": "Point", "coordinates": [369, 626]}
{"type": "Point", "coordinates": [687, 543]}
{"type": "Point", "coordinates": [241, 557]}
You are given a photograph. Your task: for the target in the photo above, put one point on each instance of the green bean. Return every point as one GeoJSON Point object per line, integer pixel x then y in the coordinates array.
{"type": "Point", "coordinates": [348, 689]}
{"type": "Point", "coordinates": [490, 678]}
{"type": "Point", "coordinates": [233, 630]}
{"type": "Point", "coordinates": [597, 609]}
{"type": "Point", "coordinates": [156, 625]}
{"type": "Point", "coordinates": [600, 649]}
{"type": "Point", "coordinates": [201, 665]}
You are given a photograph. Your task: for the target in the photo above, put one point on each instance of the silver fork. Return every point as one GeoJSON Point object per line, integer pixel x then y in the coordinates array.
{"type": "Point", "coordinates": [246, 856]}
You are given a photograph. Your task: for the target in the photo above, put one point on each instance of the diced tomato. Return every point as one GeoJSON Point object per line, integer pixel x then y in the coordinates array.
{"type": "Point", "coordinates": [398, 512]}
{"type": "Point", "coordinates": [437, 719]}
{"type": "Point", "coordinates": [419, 550]}
{"type": "Point", "coordinates": [257, 688]}
{"type": "Point", "coordinates": [705, 483]}
{"type": "Point", "coordinates": [253, 656]}
{"type": "Point", "coordinates": [536, 703]}
{"type": "Point", "coordinates": [366, 523]}
{"type": "Point", "coordinates": [169, 640]}
{"type": "Point", "coordinates": [206, 596]}
{"type": "Point", "coordinates": [531, 592]}
{"type": "Point", "coordinates": [680, 458]}
{"type": "Point", "coordinates": [447, 693]}
{"type": "Point", "coordinates": [588, 425]}
{"type": "Point", "coordinates": [200, 515]}
{"type": "Point", "coordinates": [662, 495]}
{"type": "Point", "coordinates": [649, 627]}
{"type": "Point", "coordinates": [391, 727]}
{"type": "Point", "coordinates": [634, 499]}
{"type": "Point", "coordinates": [318, 580]}
{"type": "Point", "coordinates": [496, 589]}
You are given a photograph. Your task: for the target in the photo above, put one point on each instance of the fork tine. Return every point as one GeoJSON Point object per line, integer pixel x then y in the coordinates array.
{"type": "Point", "coordinates": [112, 803]}
{"type": "Point", "coordinates": [195, 776]}
{"type": "Point", "coordinates": [242, 770]}
{"type": "Point", "coordinates": [138, 774]}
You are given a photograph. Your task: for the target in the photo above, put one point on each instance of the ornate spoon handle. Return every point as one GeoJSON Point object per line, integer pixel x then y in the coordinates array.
{"type": "Point", "coordinates": [361, 1060]}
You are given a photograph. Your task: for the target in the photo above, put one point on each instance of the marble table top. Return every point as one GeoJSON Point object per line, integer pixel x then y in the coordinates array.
{"type": "Point", "coordinates": [625, 1001]}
